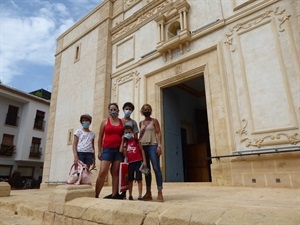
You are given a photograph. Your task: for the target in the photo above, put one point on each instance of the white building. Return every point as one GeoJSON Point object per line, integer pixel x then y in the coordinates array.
{"type": "Point", "coordinates": [222, 78]}
{"type": "Point", "coordinates": [23, 126]}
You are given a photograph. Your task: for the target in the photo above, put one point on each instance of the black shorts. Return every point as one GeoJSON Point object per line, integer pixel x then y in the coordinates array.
{"type": "Point", "coordinates": [134, 169]}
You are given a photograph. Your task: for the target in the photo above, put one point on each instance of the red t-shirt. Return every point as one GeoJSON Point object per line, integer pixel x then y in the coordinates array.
{"type": "Point", "coordinates": [112, 135]}
{"type": "Point", "coordinates": [133, 151]}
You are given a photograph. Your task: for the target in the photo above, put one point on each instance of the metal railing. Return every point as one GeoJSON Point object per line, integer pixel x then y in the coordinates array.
{"type": "Point", "coordinates": [35, 152]}
{"type": "Point", "coordinates": [262, 151]}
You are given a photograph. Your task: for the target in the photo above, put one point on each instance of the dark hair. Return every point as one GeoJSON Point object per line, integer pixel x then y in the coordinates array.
{"type": "Point", "coordinates": [127, 127]}
{"type": "Point", "coordinates": [113, 103]}
{"type": "Point", "coordinates": [128, 104]}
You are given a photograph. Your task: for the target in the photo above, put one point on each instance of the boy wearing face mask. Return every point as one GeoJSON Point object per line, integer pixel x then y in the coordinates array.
{"type": "Point", "coordinates": [83, 144]}
{"type": "Point", "coordinates": [132, 149]}
{"type": "Point", "coordinates": [128, 108]}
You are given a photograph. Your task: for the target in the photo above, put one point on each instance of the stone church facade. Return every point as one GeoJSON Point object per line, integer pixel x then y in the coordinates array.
{"type": "Point", "coordinates": [222, 77]}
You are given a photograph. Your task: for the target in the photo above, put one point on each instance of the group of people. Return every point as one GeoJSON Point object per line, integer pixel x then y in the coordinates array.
{"type": "Point", "coordinates": [121, 139]}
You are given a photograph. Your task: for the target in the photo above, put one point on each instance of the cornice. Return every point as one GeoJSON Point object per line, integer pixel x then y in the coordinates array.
{"type": "Point", "coordinates": [141, 17]}
{"type": "Point", "coordinates": [23, 94]}
{"type": "Point", "coordinates": [249, 11]}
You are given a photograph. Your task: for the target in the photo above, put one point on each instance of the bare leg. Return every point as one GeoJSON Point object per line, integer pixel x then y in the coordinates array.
{"type": "Point", "coordinates": [130, 188]}
{"type": "Point", "coordinates": [104, 166]}
{"type": "Point", "coordinates": [115, 177]}
{"type": "Point", "coordinates": [140, 188]}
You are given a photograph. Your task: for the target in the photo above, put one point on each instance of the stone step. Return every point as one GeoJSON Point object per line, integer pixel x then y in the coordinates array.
{"type": "Point", "coordinates": [9, 218]}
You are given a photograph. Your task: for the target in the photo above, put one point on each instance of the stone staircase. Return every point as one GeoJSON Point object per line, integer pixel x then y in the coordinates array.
{"type": "Point", "coordinates": [39, 207]}
{"type": "Point", "coordinates": [185, 203]}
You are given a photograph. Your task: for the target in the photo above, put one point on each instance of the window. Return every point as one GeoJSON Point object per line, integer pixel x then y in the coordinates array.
{"type": "Point", "coordinates": [70, 136]}
{"type": "Point", "coordinates": [173, 30]}
{"type": "Point", "coordinates": [39, 122]}
{"type": "Point", "coordinates": [12, 116]}
{"type": "Point", "coordinates": [7, 145]}
{"type": "Point", "coordinates": [77, 53]}
{"type": "Point", "coordinates": [26, 171]}
{"type": "Point", "coordinates": [5, 171]}
{"type": "Point", "coordinates": [35, 150]}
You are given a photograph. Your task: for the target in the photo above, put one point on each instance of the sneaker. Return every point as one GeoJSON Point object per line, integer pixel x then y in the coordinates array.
{"type": "Point", "coordinates": [123, 195]}
{"type": "Point", "coordinates": [130, 198]}
{"type": "Point", "coordinates": [140, 198]}
{"type": "Point", "coordinates": [108, 196]}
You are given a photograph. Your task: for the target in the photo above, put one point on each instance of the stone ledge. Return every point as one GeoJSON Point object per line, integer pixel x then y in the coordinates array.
{"type": "Point", "coordinates": [4, 189]}
{"type": "Point", "coordinates": [64, 193]}
{"type": "Point", "coordinates": [104, 211]}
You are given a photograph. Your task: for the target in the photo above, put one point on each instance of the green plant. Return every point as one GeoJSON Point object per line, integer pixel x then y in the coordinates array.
{"type": "Point", "coordinates": [7, 150]}
{"type": "Point", "coordinates": [38, 94]}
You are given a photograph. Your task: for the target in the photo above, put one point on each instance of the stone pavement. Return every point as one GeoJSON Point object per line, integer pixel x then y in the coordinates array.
{"type": "Point", "coordinates": [185, 203]}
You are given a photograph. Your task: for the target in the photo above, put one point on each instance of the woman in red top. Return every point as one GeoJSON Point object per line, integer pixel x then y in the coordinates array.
{"type": "Point", "coordinates": [110, 138]}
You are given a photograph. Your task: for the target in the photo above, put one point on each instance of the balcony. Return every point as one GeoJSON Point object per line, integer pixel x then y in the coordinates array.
{"type": "Point", "coordinates": [7, 150]}
{"type": "Point", "coordinates": [35, 152]}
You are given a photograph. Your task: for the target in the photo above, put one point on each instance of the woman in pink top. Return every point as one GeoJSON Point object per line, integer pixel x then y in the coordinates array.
{"type": "Point", "coordinates": [110, 138]}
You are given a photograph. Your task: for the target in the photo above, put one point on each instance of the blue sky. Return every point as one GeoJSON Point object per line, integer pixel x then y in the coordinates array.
{"type": "Point", "coordinates": [28, 33]}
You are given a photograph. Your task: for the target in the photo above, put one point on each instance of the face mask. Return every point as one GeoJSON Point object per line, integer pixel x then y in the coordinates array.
{"type": "Point", "coordinates": [127, 112]}
{"type": "Point", "coordinates": [128, 135]}
{"type": "Point", "coordinates": [85, 124]}
{"type": "Point", "coordinates": [146, 114]}
{"type": "Point", "coordinates": [113, 113]}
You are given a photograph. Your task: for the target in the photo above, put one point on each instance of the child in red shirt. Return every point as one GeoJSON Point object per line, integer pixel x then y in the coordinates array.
{"type": "Point", "coordinates": [132, 149]}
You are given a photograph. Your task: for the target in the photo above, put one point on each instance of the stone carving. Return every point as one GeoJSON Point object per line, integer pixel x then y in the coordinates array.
{"type": "Point", "coordinates": [271, 139]}
{"type": "Point", "coordinates": [178, 69]}
{"type": "Point", "coordinates": [240, 26]}
{"type": "Point", "coordinates": [122, 79]}
{"type": "Point", "coordinates": [128, 3]}
{"type": "Point", "coordinates": [143, 17]}
{"type": "Point", "coordinates": [282, 20]}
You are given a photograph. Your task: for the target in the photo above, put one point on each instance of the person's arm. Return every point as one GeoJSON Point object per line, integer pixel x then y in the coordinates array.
{"type": "Point", "coordinates": [143, 154]}
{"type": "Point", "coordinates": [100, 139]}
{"type": "Point", "coordinates": [158, 136]}
{"type": "Point", "coordinates": [93, 145]}
{"type": "Point", "coordinates": [135, 129]}
{"type": "Point", "coordinates": [75, 143]}
{"type": "Point", "coordinates": [121, 149]}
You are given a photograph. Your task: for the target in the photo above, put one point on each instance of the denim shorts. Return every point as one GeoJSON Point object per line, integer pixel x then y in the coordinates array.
{"type": "Point", "coordinates": [111, 154]}
{"type": "Point", "coordinates": [86, 157]}
{"type": "Point", "coordinates": [134, 168]}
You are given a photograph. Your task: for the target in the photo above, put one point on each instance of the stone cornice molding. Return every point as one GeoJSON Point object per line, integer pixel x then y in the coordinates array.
{"type": "Point", "coordinates": [268, 140]}
{"type": "Point", "coordinates": [133, 75]}
{"type": "Point", "coordinates": [268, 15]}
{"type": "Point", "coordinates": [141, 17]}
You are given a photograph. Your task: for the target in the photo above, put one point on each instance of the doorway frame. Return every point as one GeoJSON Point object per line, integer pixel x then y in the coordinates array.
{"type": "Point", "coordinates": [180, 76]}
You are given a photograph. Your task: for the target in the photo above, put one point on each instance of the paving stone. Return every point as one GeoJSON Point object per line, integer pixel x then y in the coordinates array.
{"type": "Point", "coordinates": [185, 203]}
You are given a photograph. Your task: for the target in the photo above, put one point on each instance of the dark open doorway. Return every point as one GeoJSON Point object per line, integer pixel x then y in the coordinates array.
{"type": "Point", "coordinates": [186, 134]}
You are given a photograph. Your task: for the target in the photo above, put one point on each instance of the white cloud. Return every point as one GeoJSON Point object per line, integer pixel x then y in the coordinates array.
{"type": "Point", "coordinates": [29, 29]}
